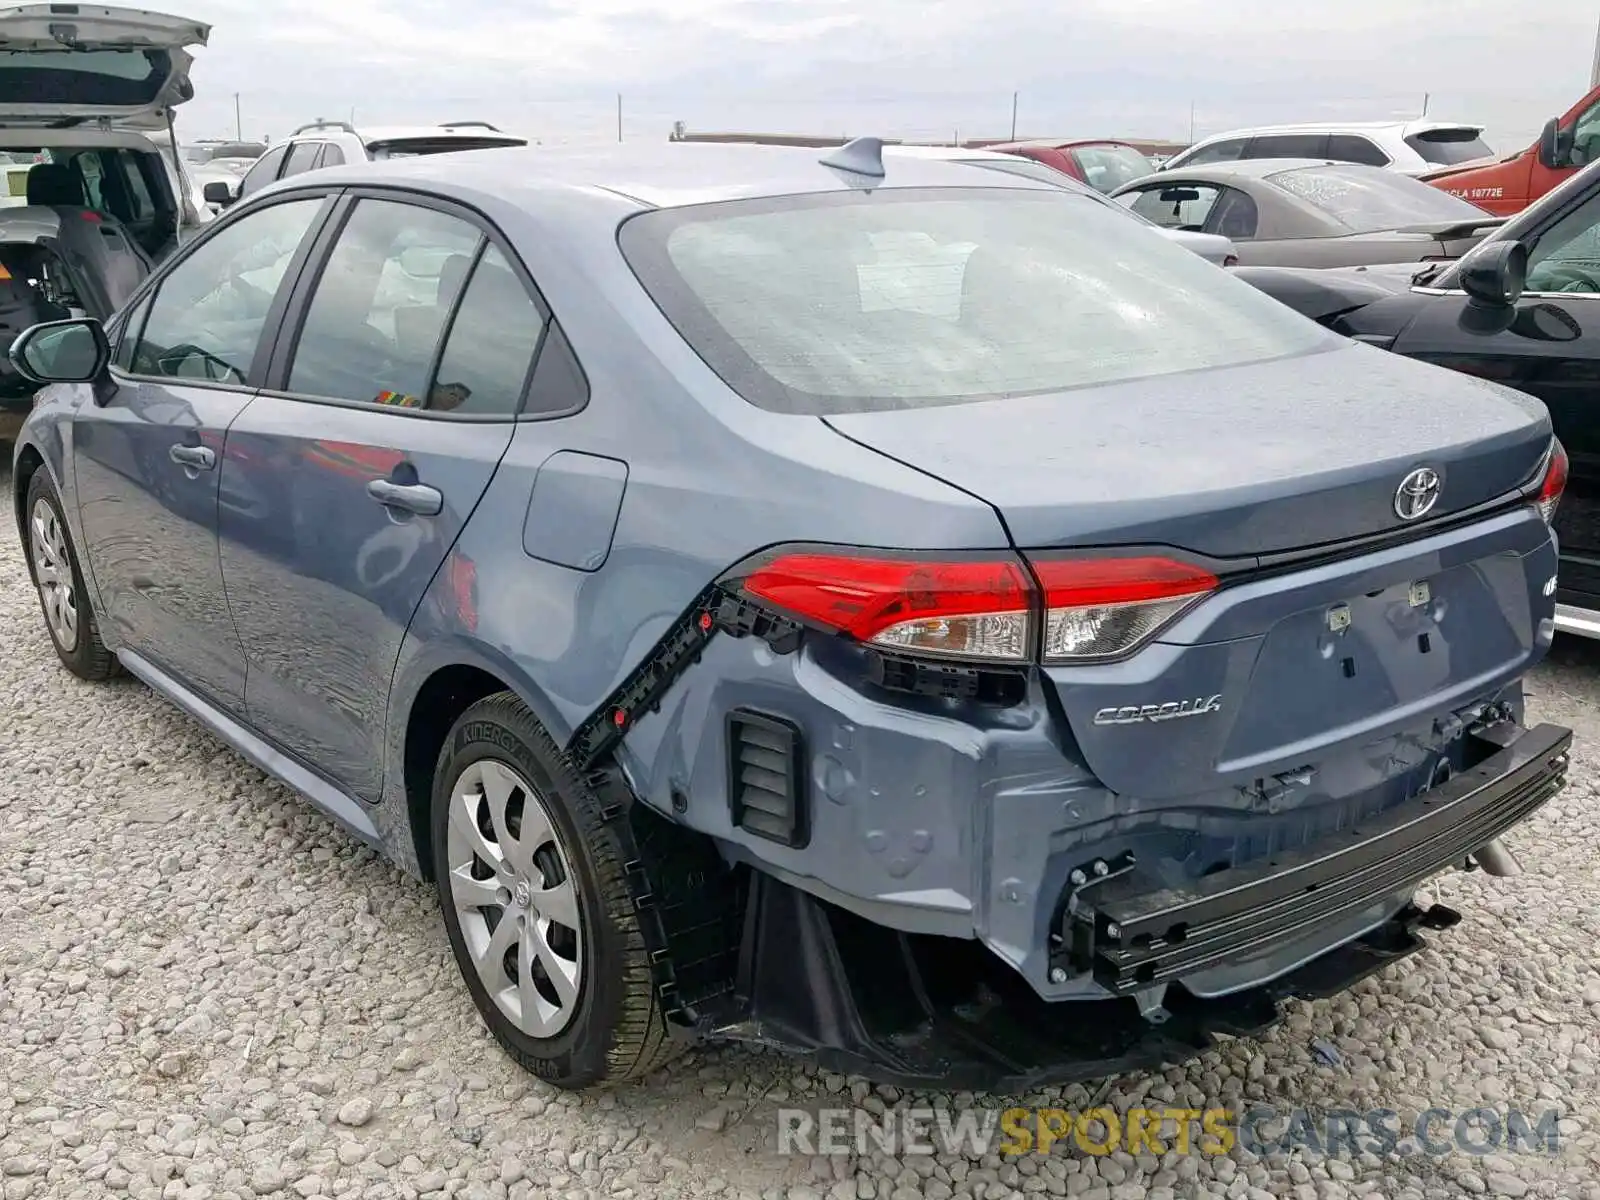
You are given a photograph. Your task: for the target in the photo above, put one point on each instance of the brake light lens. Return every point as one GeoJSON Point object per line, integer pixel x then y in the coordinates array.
{"type": "Point", "coordinates": [1555, 482]}
{"type": "Point", "coordinates": [957, 608]}
{"type": "Point", "coordinates": [988, 609]}
{"type": "Point", "coordinates": [1102, 607]}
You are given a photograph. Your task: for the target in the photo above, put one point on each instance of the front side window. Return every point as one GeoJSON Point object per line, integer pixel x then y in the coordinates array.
{"type": "Point", "coordinates": [1586, 136]}
{"type": "Point", "coordinates": [1566, 257]}
{"type": "Point", "coordinates": [905, 299]}
{"type": "Point", "coordinates": [1367, 200]}
{"type": "Point", "coordinates": [381, 303]}
{"type": "Point", "coordinates": [264, 172]}
{"type": "Point", "coordinates": [302, 157]}
{"type": "Point", "coordinates": [208, 314]}
{"type": "Point", "coordinates": [1227, 150]}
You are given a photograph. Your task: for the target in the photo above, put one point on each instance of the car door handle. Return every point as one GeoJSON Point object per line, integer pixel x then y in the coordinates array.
{"type": "Point", "coordinates": [418, 498]}
{"type": "Point", "coordinates": [200, 458]}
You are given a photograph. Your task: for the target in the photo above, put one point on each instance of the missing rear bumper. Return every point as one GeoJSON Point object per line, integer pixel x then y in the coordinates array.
{"type": "Point", "coordinates": [923, 1011]}
{"type": "Point", "coordinates": [1134, 938]}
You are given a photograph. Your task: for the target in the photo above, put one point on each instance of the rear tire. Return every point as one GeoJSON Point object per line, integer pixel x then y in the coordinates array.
{"type": "Point", "coordinates": [521, 855]}
{"type": "Point", "coordinates": [63, 600]}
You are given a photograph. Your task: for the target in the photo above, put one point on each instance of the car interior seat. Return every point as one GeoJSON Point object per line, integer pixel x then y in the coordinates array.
{"type": "Point", "coordinates": [56, 185]}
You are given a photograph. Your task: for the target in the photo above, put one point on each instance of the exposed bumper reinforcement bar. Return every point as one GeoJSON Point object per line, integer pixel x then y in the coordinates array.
{"type": "Point", "coordinates": [1133, 940]}
{"type": "Point", "coordinates": [1580, 622]}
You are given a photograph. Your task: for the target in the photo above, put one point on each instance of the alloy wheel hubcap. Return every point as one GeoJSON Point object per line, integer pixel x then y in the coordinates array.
{"type": "Point", "coordinates": [52, 566]}
{"type": "Point", "coordinates": [515, 898]}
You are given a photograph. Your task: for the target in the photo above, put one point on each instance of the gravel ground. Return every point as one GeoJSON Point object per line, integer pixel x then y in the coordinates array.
{"type": "Point", "coordinates": [207, 990]}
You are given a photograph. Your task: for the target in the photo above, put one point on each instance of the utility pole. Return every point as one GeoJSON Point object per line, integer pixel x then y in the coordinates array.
{"type": "Point", "coordinates": [619, 116]}
{"type": "Point", "coordinates": [1426, 96]}
{"type": "Point", "coordinates": [238, 121]}
{"type": "Point", "coordinates": [1191, 122]}
{"type": "Point", "coordinates": [1013, 116]}
{"type": "Point", "coordinates": [1594, 75]}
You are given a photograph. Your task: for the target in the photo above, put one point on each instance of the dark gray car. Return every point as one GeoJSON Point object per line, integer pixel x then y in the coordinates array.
{"type": "Point", "coordinates": [1308, 213]}
{"type": "Point", "coordinates": [896, 612]}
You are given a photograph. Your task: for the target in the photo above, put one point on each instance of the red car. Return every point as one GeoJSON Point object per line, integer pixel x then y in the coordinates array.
{"type": "Point", "coordinates": [1103, 165]}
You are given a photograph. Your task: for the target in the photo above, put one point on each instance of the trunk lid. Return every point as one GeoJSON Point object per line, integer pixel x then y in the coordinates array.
{"type": "Point", "coordinates": [62, 64]}
{"type": "Point", "coordinates": [1233, 462]}
{"type": "Point", "coordinates": [1297, 678]}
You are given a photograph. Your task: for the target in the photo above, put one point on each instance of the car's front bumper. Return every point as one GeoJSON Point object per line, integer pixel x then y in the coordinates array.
{"type": "Point", "coordinates": [923, 1010]}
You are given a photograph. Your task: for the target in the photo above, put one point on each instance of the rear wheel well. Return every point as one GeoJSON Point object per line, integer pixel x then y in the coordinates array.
{"type": "Point", "coordinates": [29, 462]}
{"type": "Point", "coordinates": [447, 694]}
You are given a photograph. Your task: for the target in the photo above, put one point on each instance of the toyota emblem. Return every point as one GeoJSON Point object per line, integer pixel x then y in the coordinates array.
{"type": "Point", "coordinates": [1417, 494]}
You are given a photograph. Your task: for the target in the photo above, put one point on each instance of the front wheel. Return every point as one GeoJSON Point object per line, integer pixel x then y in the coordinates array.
{"type": "Point", "coordinates": [53, 563]}
{"type": "Point", "coordinates": [536, 905]}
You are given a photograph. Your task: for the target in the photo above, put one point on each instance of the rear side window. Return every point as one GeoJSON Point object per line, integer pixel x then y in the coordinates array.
{"type": "Point", "coordinates": [1289, 145]}
{"type": "Point", "coordinates": [1350, 148]}
{"type": "Point", "coordinates": [492, 341]}
{"type": "Point", "coordinates": [1448, 147]}
{"type": "Point", "coordinates": [904, 299]}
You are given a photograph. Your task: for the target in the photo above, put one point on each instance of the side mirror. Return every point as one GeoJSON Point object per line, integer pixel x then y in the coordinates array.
{"type": "Point", "coordinates": [1493, 274]}
{"type": "Point", "coordinates": [74, 351]}
{"type": "Point", "coordinates": [1555, 146]}
{"type": "Point", "coordinates": [218, 191]}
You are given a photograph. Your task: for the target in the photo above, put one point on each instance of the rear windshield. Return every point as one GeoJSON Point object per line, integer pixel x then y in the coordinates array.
{"type": "Point", "coordinates": [862, 301]}
{"type": "Point", "coordinates": [411, 147]}
{"type": "Point", "coordinates": [1109, 167]}
{"type": "Point", "coordinates": [1447, 147]}
{"type": "Point", "coordinates": [1370, 199]}
{"type": "Point", "coordinates": [131, 78]}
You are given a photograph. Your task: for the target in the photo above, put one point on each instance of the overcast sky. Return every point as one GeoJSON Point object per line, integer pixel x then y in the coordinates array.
{"type": "Point", "coordinates": [897, 68]}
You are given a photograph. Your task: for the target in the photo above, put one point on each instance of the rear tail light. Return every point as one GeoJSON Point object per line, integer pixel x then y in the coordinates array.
{"type": "Point", "coordinates": [1555, 482]}
{"type": "Point", "coordinates": [960, 608]}
{"type": "Point", "coordinates": [993, 608]}
{"type": "Point", "coordinates": [1101, 607]}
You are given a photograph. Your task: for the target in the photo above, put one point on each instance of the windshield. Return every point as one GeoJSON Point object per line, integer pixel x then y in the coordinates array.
{"type": "Point", "coordinates": [1448, 147]}
{"type": "Point", "coordinates": [1370, 199]}
{"type": "Point", "coordinates": [1109, 167]}
{"type": "Point", "coordinates": [909, 298]}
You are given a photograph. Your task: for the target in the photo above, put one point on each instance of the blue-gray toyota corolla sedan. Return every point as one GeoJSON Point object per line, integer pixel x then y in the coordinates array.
{"type": "Point", "coordinates": [915, 617]}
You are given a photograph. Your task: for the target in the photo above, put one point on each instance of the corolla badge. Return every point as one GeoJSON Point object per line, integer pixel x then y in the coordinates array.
{"type": "Point", "coordinates": [1417, 494]}
{"type": "Point", "coordinates": [1135, 714]}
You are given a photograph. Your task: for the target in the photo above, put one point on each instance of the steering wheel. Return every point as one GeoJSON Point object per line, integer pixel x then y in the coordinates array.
{"type": "Point", "coordinates": [176, 356]}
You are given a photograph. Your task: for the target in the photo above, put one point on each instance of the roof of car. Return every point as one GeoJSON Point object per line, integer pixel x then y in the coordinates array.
{"type": "Point", "coordinates": [1398, 128]}
{"type": "Point", "coordinates": [436, 133]}
{"type": "Point", "coordinates": [1057, 144]}
{"type": "Point", "coordinates": [370, 134]}
{"type": "Point", "coordinates": [669, 175]}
